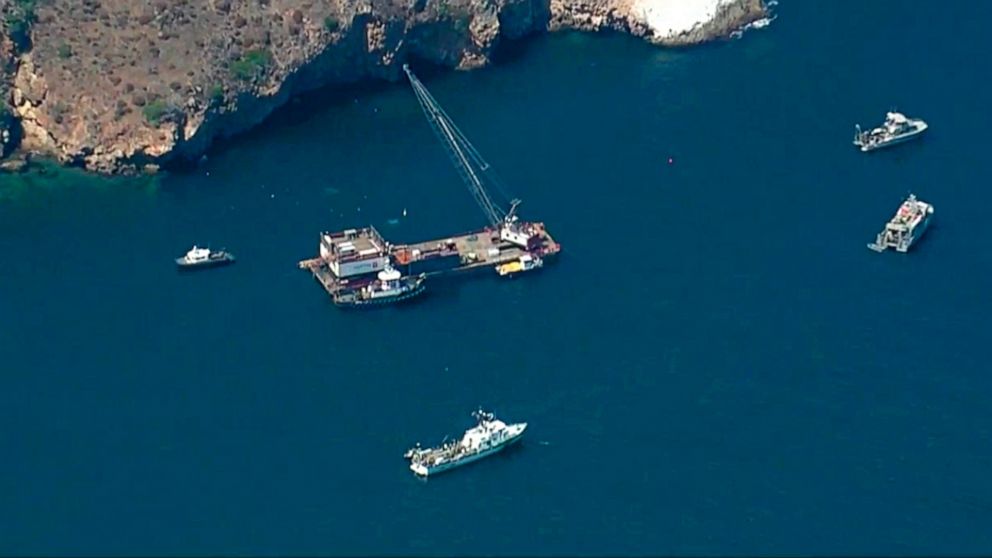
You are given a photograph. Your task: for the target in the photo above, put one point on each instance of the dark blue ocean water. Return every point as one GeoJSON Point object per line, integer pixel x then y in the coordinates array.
{"type": "Point", "coordinates": [715, 365]}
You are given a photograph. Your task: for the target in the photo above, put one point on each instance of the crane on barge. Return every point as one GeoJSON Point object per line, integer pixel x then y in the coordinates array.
{"type": "Point", "coordinates": [358, 266]}
{"type": "Point", "coordinates": [471, 167]}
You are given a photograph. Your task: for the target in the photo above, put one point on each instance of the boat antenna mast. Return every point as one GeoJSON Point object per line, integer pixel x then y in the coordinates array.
{"type": "Point", "coordinates": [465, 156]}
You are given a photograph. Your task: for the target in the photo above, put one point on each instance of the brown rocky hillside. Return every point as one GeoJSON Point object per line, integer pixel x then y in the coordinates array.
{"type": "Point", "coordinates": [116, 85]}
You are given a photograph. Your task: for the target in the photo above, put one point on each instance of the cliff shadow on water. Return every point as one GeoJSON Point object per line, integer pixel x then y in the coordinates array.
{"type": "Point", "coordinates": [312, 91]}
{"type": "Point", "coordinates": [303, 108]}
{"type": "Point", "coordinates": [308, 105]}
{"type": "Point", "coordinates": [294, 112]}
{"type": "Point", "coordinates": [510, 51]}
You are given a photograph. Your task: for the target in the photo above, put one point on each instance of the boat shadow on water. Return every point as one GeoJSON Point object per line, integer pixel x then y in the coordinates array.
{"type": "Point", "coordinates": [212, 266]}
{"type": "Point", "coordinates": [404, 305]}
{"type": "Point", "coordinates": [902, 151]}
{"type": "Point", "coordinates": [920, 243]}
{"type": "Point", "coordinates": [452, 287]}
{"type": "Point", "coordinates": [440, 290]}
{"type": "Point", "coordinates": [200, 269]}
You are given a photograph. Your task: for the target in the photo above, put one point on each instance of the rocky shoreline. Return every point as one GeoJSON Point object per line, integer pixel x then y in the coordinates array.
{"type": "Point", "coordinates": [116, 86]}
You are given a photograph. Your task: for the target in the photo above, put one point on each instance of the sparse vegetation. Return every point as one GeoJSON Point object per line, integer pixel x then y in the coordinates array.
{"type": "Point", "coordinates": [126, 71]}
{"type": "Point", "coordinates": [251, 65]}
{"type": "Point", "coordinates": [121, 109]}
{"type": "Point", "coordinates": [459, 17]}
{"type": "Point", "coordinates": [24, 6]}
{"type": "Point", "coordinates": [18, 23]}
{"type": "Point", "coordinates": [58, 112]}
{"type": "Point", "coordinates": [217, 94]}
{"type": "Point", "coordinates": [155, 111]}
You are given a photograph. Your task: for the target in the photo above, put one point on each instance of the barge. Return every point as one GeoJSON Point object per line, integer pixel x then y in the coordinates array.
{"type": "Point", "coordinates": [351, 260]}
{"type": "Point", "coordinates": [359, 266]}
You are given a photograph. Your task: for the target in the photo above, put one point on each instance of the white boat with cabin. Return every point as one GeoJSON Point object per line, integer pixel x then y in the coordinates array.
{"type": "Point", "coordinates": [896, 129]}
{"type": "Point", "coordinates": [198, 258]}
{"type": "Point", "coordinates": [490, 435]}
{"type": "Point", "coordinates": [906, 227]}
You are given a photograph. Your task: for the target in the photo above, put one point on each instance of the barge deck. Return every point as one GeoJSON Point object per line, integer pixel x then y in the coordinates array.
{"type": "Point", "coordinates": [459, 253]}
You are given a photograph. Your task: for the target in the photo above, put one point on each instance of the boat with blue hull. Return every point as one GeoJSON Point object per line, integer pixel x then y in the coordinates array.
{"type": "Point", "coordinates": [489, 436]}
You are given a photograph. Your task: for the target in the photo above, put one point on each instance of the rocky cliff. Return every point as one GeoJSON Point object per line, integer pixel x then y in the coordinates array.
{"type": "Point", "coordinates": [119, 85]}
{"type": "Point", "coordinates": [13, 27]}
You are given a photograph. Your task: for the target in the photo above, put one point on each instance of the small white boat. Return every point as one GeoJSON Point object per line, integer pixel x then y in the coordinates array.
{"type": "Point", "coordinates": [896, 129]}
{"type": "Point", "coordinates": [199, 258]}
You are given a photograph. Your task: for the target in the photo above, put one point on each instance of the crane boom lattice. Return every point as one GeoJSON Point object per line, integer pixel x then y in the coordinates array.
{"type": "Point", "coordinates": [464, 155]}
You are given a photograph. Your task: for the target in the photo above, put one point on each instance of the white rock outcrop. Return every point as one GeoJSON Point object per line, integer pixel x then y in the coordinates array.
{"type": "Point", "coordinates": [671, 18]}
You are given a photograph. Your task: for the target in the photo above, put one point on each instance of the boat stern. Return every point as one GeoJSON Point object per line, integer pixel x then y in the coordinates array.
{"type": "Point", "coordinates": [419, 469]}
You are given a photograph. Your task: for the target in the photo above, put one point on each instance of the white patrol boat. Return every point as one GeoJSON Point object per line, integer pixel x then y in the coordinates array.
{"type": "Point", "coordinates": [896, 129]}
{"type": "Point", "coordinates": [198, 258]}
{"type": "Point", "coordinates": [486, 438]}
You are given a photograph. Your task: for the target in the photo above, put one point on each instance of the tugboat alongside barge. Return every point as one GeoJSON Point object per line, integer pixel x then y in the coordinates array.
{"type": "Point", "coordinates": [389, 286]}
{"type": "Point", "coordinates": [487, 437]}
